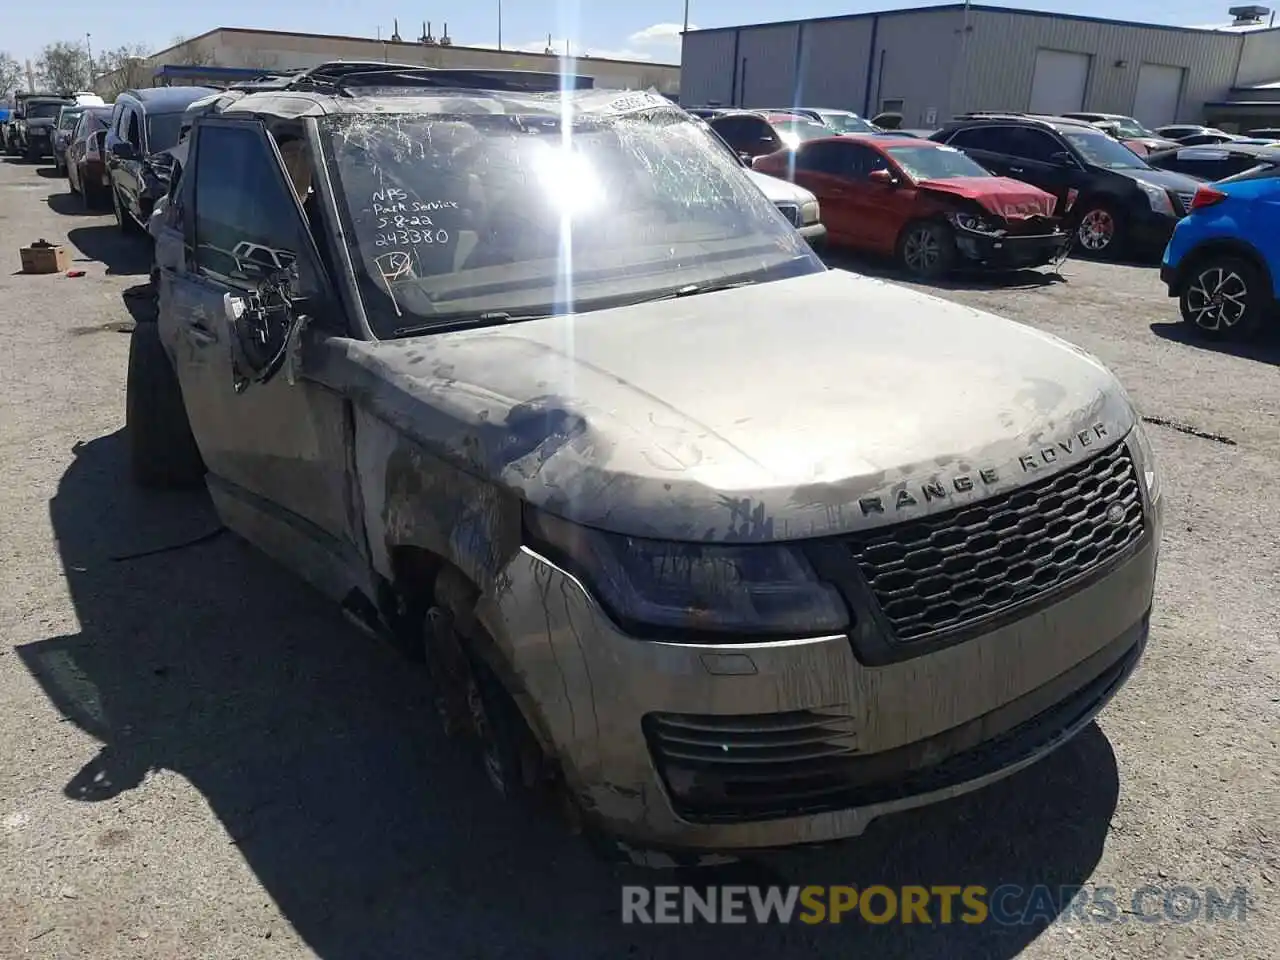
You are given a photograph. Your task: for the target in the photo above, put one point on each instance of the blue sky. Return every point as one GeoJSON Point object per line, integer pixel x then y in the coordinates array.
{"type": "Point", "coordinates": [640, 30]}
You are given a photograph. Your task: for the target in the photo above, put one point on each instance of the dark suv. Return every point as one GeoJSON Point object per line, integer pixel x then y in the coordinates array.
{"type": "Point", "coordinates": [35, 131]}
{"type": "Point", "coordinates": [144, 123]}
{"type": "Point", "coordinates": [1117, 201]}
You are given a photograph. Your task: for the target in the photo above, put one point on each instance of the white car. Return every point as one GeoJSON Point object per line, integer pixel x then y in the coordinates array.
{"type": "Point", "coordinates": [796, 203]}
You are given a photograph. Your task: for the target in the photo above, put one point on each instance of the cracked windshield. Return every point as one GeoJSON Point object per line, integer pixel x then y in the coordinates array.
{"type": "Point", "coordinates": [525, 211]}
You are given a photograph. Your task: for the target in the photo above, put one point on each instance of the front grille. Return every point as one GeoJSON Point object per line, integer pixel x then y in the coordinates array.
{"type": "Point", "coordinates": [791, 211]}
{"type": "Point", "coordinates": [763, 766]}
{"type": "Point", "coordinates": [778, 759]}
{"type": "Point", "coordinates": [950, 570]}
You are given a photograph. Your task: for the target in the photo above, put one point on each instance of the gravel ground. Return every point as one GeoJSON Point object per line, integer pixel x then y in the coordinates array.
{"type": "Point", "coordinates": [200, 759]}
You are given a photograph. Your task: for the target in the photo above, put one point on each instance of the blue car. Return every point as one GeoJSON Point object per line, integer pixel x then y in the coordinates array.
{"type": "Point", "coordinates": [1223, 260]}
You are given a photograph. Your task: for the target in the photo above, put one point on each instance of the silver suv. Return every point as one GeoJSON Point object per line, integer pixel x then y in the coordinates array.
{"type": "Point", "coordinates": [733, 550]}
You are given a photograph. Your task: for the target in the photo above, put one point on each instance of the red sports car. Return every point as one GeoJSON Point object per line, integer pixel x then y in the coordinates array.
{"type": "Point", "coordinates": [928, 204]}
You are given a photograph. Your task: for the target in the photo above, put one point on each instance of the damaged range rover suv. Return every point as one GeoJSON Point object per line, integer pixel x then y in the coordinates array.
{"type": "Point", "coordinates": [734, 550]}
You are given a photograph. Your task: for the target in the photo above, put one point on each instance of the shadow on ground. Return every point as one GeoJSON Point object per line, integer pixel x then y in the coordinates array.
{"type": "Point", "coordinates": [123, 255]}
{"type": "Point", "coordinates": [50, 172]}
{"type": "Point", "coordinates": [960, 280]}
{"type": "Point", "coordinates": [316, 751]}
{"type": "Point", "coordinates": [72, 205]}
{"type": "Point", "coordinates": [1263, 349]}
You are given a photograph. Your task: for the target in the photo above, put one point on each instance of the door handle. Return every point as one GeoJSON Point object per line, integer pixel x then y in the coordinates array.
{"type": "Point", "coordinates": [200, 333]}
{"type": "Point", "coordinates": [1016, 170]}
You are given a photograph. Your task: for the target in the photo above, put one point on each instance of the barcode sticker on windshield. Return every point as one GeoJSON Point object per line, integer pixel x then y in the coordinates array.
{"type": "Point", "coordinates": [637, 101]}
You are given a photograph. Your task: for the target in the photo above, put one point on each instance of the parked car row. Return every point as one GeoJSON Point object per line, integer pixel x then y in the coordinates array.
{"type": "Point", "coordinates": [117, 153]}
{"type": "Point", "coordinates": [1001, 190]}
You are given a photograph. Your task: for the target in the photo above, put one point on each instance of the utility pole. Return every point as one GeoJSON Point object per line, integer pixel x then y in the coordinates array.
{"type": "Point", "coordinates": [88, 46]}
{"type": "Point", "coordinates": [686, 17]}
{"type": "Point", "coordinates": [499, 24]}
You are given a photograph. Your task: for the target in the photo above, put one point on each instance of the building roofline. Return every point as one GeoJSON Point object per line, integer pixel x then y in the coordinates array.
{"type": "Point", "coordinates": [984, 8]}
{"type": "Point", "coordinates": [406, 43]}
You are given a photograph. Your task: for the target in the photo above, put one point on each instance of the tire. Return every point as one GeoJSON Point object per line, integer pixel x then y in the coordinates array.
{"type": "Point", "coordinates": [124, 221]}
{"type": "Point", "coordinates": [162, 451]}
{"type": "Point", "coordinates": [1099, 231]}
{"type": "Point", "coordinates": [1224, 297]}
{"type": "Point", "coordinates": [927, 249]}
{"type": "Point", "coordinates": [469, 699]}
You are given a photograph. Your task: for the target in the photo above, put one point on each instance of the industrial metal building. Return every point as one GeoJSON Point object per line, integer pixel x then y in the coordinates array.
{"type": "Point", "coordinates": [931, 63]}
{"type": "Point", "coordinates": [223, 53]}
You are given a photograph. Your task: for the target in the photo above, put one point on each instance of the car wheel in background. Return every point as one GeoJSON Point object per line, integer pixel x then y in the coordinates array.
{"type": "Point", "coordinates": [1224, 297]}
{"type": "Point", "coordinates": [926, 249]}
{"type": "Point", "coordinates": [1099, 231]}
{"type": "Point", "coordinates": [123, 220]}
{"type": "Point", "coordinates": [162, 451]}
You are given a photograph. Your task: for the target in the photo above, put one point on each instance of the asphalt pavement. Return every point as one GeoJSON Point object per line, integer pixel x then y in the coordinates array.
{"type": "Point", "coordinates": [199, 758]}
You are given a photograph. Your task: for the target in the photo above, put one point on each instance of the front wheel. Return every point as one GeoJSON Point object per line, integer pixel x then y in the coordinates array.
{"type": "Point", "coordinates": [124, 221]}
{"type": "Point", "coordinates": [162, 450]}
{"type": "Point", "coordinates": [927, 250]}
{"type": "Point", "coordinates": [1099, 231]}
{"type": "Point", "coordinates": [1225, 297]}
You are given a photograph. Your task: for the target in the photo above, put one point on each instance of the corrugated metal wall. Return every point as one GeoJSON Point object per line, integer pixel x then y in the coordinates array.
{"type": "Point", "coordinates": [706, 71]}
{"type": "Point", "coordinates": [915, 58]}
{"type": "Point", "coordinates": [834, 63]}
{"type": "Point", "coordinates": [931, 62]}
{"type": "Point", "coordinates": [1260, 59]}
{"type": "Point", "coordinates": [997, 72]}
{"type": "Point", "coordinates": [767, 66]}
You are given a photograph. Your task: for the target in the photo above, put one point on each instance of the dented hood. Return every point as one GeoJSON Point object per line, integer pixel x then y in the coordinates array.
{"type": "Point", "coordinates": [1002, 196]}
{"type": "Point", "coordinates": [768, 412]}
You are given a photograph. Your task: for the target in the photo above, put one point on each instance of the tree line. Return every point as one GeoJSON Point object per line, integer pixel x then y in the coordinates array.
{"type": "Point", "coordinates": [65, 66]}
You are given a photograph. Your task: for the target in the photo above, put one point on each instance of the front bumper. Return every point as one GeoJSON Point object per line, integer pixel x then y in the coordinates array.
{"type": "Point", "coordinates": [615, 710]}
{"type": "Point", "coordinates": [39, 145]}
{"type": "Point", "coordinates": [1149, 230]}
{"type": "Point", "coordinates": [1011, 252]}
{"type": "Point", "coordinates": [815, 233]}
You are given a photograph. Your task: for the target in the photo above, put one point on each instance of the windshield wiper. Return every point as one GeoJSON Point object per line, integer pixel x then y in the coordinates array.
{"type": "Point", "coordinates": [493, 318]}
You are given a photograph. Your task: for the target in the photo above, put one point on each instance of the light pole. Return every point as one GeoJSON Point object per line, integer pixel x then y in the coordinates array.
{"type": "Point", "coordinates": [686, 17]}
{"type": "Point", "coordinates": [88, 46]}
{"type": "Point", "coordinates": [499, 24]}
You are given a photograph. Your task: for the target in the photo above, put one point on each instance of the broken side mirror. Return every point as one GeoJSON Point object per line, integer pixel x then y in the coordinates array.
{"type": "Point", "coordinates": [264, 327]}
{"type": "Point", "coordinates": [883, 177]}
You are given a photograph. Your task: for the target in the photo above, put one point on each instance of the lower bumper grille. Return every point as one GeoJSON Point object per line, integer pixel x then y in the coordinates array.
{"type": "Point", "coordinates": [953, 569]}
{"type": "Point", "coordinates": [734, 768]}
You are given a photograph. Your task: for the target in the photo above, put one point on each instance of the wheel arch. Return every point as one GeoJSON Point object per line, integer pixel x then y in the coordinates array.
{"type": "Point", "coordinates": [1220, 247]}
{"type": "Point", "coordinates": [423, 578]}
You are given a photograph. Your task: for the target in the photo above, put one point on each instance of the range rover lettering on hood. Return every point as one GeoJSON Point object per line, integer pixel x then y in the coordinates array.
{"type": "Point", "coordinates": [941, 488]}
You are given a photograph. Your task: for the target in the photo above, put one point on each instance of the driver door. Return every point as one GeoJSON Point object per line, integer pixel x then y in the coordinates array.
{"type": "Point", "coordinates": [276, 450]}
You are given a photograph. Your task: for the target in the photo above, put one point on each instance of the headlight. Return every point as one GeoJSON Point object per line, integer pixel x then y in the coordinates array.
{"type": "Point", "coordinates": [809, 212]}
{"type": "Point", "coordinates": [766, 588]}
{"type": "Point", "coordinates": [1158, 197]}
{"type": "Point", "coordinates": [1147, 464]}
{"type": "Point", "coordinates": [967, 221]}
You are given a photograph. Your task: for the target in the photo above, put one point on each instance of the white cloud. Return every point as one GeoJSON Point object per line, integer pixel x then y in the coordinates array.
{"type": "Point", "coordinates": [664, 34]}
{"type": "Point", "coordinates": [661, 39]}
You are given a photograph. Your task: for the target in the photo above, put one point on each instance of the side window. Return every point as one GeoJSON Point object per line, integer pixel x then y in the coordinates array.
{"type": "Point", "coordinates": [1031, 144]}
{"type": "Point", "coordinates": [978, 138]}
{"type": "Point", "coordinates": [824, 157]}
{"type": "Point", "coordinates": [862, 160]}
{"type": "Point", "coordinates": [247, 224]}
{"type": "Point", "coordinates": [133, 132]}
{"type": "Point", "coordinates": [733, 129]}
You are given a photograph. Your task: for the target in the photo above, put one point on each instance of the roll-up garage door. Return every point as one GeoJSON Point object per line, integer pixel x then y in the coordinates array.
{"type": "Point", "coordinates": [1059, 82]}
{"type": "Point", "coordinates": [1159, 90]}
